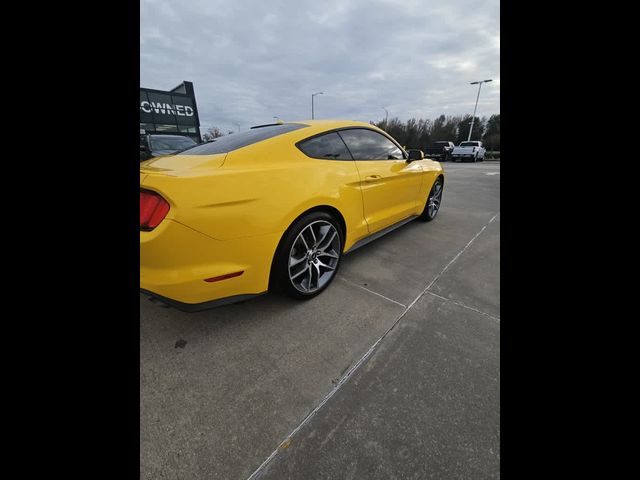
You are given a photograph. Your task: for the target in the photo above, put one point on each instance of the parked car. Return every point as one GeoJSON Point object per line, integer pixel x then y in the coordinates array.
{"type": "Point", "coordinates": [472, 151]}
{"type": "Point", "coordinates": [440, 151]}
{"type": "Point", "coordinates": [274, 208]}
{"type": "Point", "coordinates": [154, 145]}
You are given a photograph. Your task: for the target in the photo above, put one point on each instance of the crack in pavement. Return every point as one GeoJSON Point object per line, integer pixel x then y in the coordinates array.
{"type": "Point", "coordinates": [460, 304]}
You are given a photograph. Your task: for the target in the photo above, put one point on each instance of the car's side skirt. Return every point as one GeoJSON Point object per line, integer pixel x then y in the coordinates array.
{"type": "Point", "coordinates": [380, 233]}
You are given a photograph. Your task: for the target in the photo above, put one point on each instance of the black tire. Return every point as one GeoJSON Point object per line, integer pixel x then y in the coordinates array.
{"type": "Point", "coordinates": [428, 213]}
{"type": "Point", "coordinates": [281, 281]}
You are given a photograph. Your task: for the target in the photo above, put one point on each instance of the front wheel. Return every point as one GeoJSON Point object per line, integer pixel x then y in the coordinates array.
{"type": "Point", "coordinates": [433, 202]}
{"type": "Point", "coordinates": [308, 256]}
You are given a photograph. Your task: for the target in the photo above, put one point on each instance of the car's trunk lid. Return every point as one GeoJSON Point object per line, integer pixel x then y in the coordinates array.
{"type": "Point", "coordinates": [181, 165]}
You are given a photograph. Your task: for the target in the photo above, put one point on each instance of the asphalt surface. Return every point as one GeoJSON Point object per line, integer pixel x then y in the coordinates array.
{"type": "Point", "coordinates": [392, 372]}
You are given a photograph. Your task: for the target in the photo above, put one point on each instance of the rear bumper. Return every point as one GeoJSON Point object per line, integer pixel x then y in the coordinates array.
{"type": "Point", "coordinates": [175, 260]}
{"type": "Point", "coordinates": [198, 307]}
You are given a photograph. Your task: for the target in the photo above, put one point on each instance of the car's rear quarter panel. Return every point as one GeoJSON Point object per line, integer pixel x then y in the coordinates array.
{"type": "Point", "coordinates": [175, 260]}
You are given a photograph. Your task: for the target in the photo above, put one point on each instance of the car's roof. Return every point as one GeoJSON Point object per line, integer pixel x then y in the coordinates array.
{"type": "Point", "coordinates": [314, 127]}
{"type": "Point", "coordinates": [321, 125]}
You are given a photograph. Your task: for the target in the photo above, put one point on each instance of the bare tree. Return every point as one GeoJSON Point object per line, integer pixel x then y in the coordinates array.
{"type": "Point", "coordinates": [421, 133]}
{"type": "Point", "coordinates": [211, 134]}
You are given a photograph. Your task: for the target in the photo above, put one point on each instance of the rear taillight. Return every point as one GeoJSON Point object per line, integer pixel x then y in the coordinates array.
{"type": "Point", "coordinates": [153, 209]}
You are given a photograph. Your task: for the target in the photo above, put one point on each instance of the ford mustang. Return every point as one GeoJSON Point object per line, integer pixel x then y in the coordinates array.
{"type": "Point", "coordinates": [274, 208]}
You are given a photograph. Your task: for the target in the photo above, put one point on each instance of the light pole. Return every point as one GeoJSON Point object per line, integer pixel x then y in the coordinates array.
{"type": "Point", "coordinates": [237, 125]}
{"type": "Point", "coordinates": [479, 83]}
{"type": "Point", "coordinates": [385, 117]}
{"type": "Point", "coordinates": [313, 95]}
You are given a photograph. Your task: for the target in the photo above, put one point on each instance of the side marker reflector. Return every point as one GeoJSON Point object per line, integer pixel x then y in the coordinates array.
{"type": "Point", "coordinates": [223, 277]}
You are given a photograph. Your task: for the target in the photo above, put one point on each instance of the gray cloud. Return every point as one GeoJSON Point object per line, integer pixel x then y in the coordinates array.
{"type": "Point", "coordinates": [250, 60]}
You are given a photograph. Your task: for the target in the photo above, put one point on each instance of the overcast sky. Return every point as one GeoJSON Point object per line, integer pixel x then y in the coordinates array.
{"type": "Point", "coordinates": [251, 60]}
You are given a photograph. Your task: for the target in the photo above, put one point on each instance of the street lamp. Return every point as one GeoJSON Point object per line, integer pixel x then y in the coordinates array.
{"type": "Point", "coordinates": [385, 117]}
{"type": "Point", "coordinates": [237, 125]}
{"type": "Point", "coordinates": [479, 83]}
{"type": "Point", "coordinates": [313, 95]}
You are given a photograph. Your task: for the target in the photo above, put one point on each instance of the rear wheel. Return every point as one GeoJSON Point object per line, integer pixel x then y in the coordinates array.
{"type": "Point", "coordinates": [308, 256]}
{"type": "Point", "coordinates": [433, 202]}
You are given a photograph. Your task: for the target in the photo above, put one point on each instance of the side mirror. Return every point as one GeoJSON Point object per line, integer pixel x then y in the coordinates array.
{"type": "Point", "coordinates": [415, 155]}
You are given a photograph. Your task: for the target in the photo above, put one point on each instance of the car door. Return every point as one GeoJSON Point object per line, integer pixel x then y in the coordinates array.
{"type": "Point", "coordinates": [389, 184]}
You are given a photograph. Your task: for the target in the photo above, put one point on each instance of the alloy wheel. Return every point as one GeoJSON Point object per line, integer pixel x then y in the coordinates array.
{"type": "Point", "coordinates": [314, 256]}
{"type": "Point", "coordinates": [434, 200]}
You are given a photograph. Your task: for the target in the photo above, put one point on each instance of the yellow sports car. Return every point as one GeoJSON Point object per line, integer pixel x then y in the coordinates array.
{"type": "Point", "coordinates": [274, 208]}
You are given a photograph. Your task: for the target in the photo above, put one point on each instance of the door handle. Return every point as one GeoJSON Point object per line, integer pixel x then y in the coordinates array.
{"type": "Point", "coordinates": [372, 178]}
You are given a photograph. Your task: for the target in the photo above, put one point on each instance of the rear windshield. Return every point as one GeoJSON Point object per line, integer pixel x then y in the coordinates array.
{"type": "Point", "coordinates": [469, 144]}
{"type": "Point", "coordinates": [234, 141]}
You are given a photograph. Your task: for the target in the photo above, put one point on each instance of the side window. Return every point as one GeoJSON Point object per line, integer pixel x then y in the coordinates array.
{"type": "Point", "coordinates": [369, 145]}
{"type": "Point", "coordinates": [327, 147]}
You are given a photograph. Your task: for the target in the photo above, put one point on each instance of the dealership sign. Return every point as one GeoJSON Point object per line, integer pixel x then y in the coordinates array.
{"type": "Point", "coordinates": [170, 112]}
{"type": "Point", "coordinates": [166, 108]}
